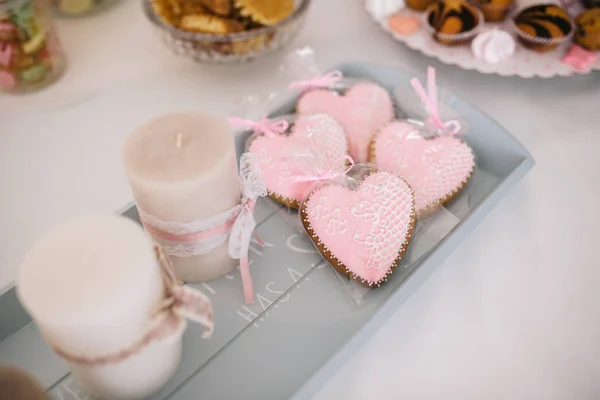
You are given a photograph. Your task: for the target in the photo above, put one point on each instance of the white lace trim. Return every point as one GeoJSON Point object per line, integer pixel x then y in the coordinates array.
{"type": "Point", "coordinates": [182, 249]}
{"type": "Point", "coordinates": [185, 250]}
{"type": "Point", "coordinates": [187, 228]}
{"type": "Point", "coordinates": [253, 187]}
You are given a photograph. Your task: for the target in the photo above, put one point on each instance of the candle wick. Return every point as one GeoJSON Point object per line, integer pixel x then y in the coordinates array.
{"type": "Point", "coordinates": [179, 138]}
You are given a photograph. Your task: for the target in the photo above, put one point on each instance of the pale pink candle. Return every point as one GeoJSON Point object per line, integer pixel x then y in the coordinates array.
{"type": "Point", "coordinates": [183, 174]}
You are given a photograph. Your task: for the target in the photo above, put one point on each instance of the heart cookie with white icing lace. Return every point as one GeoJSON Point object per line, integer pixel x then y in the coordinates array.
{"type": "Point", "coordinates": [361, 111]}
{"type": "Point", "coordinates": [363, 233]}
{"type": "Point", "coordinates": [437, 168]}
{"type": "Point", "coordinates": [316, 144]}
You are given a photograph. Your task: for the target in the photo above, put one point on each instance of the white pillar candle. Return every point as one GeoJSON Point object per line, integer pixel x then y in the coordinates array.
{"type": "Point", "coordinates": [92, 287]}
{"type": "Point", "coordinates": [182, 169]}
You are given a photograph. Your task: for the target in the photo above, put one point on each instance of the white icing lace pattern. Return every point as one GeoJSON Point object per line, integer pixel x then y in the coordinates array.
{"type": "Point", "coordinates": [390, 215]}
{"type": "Point", "coordinates": [323, 152]}
{"type": "Point", "coordinates": [332, 146]}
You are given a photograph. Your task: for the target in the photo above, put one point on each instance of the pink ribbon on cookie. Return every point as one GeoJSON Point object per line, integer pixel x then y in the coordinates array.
{"type": "Point", "coordinates": [326, 175]}
{"type": "Point", "coordinates": [181, 303]}
{"type": "Point", "coordinates": [265, 126]}
{"type": "Point", "coordinates": [323, 81]}
{"type": "Point", "coordinates": [430, 100]}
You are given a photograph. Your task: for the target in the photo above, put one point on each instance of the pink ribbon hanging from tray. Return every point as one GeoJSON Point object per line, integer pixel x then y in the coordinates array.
{"type": "Point", "coordinates": [430, 100]}
{"type": "Point", "coordinates": [253, 187]}
{"type": "Point", "coordinates": [323, 81]}
{"type": "Point", "coordinates": [240, 226]}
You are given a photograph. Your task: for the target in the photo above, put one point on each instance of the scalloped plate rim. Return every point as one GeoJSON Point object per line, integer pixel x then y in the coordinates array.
{"type": "Point", "coordinates": [526, 75]}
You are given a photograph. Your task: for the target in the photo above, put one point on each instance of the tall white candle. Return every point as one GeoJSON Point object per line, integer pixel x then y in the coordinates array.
{"type": "Point", "coordinates": [92, 286]}
{"type": "Point", "coordinates": [182, 168]}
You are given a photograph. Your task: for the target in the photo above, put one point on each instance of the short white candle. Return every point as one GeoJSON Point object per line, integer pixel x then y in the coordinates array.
{"type": "Point", "coordinates": [183, 168]}
{"type": "Point", "coordinates": [92, 286]}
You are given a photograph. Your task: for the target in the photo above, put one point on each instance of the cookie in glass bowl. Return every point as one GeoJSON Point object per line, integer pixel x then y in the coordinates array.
{"type": "Point", "coordinates": [265, 12]}
{"type": "Point", "coordinates": [219, 7]}
{"type": "Point", "coordinates": [226, 30]}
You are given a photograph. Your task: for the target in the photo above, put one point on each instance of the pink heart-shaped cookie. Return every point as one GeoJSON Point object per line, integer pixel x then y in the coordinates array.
{"type": "Point", "coordinates": [363, 233]}
{"type": "Point", "coordinates": [316, 142]}
{"type": "Point", "coordinates": [437, 168]}
{"type": "Point", "coordinates": [361, 111]}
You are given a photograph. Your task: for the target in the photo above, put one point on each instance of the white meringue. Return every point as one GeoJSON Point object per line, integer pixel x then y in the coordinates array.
{"type": "Point", "coordinates": [381, 9]}
{"type": "Point", "coordinates": [493, 46]}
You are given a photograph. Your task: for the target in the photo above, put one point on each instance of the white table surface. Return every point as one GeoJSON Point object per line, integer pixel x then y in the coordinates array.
{"type": "Point", "coordinates": [514, 313]}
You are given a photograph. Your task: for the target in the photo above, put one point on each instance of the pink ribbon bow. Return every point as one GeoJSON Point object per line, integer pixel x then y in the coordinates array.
{"type": "Point", "coordinates": [253, 187]}
{"type": "Point", "coordinates": [265, 126]}
{"type": "Point", "coordinates": [181, 303]}
{"type": "Point", "coordinates": [240, 226]}
{"type": "Point", "coordinates": [327, 175]}
{"type": "Point", "coordinates": [323, 81]}
{"type": "Point", "coordinates": [430, 100]}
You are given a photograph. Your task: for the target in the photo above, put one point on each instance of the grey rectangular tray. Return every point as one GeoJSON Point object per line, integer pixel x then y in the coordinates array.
{"type": "Point", "coordinates": [303, 326]}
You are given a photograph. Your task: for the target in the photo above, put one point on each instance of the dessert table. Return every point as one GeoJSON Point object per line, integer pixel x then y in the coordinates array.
{"type": "Point", "coordinates": [513, 313]}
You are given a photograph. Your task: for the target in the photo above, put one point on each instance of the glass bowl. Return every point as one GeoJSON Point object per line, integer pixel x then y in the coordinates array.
{"type": "Point", "coordinates": [232, 47]}
{"type": "Point", "coordinates": [31, 57]}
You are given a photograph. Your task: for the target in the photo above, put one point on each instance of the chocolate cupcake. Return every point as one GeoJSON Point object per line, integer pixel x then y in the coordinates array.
{"type": "Point", "coordinates": [494, 10]}
{"type": "Point", "coordinates": [543, 27]}
{"type": "Point", "coordinates": [587, 33]}
{"type": "Point", "coordinates": [454, 22]}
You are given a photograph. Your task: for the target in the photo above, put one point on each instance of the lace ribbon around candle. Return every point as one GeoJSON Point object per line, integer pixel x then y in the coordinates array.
{"type": "Point", "coordinates": [181, 303]}
{"type": "Point", "coordinates": [201, 237]}
{"type": "Point", "coordinates": [181, 239]}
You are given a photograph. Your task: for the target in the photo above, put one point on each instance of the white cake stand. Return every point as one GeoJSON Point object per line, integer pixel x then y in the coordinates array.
{"type": "Point", "coordinates": [524, 63]}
